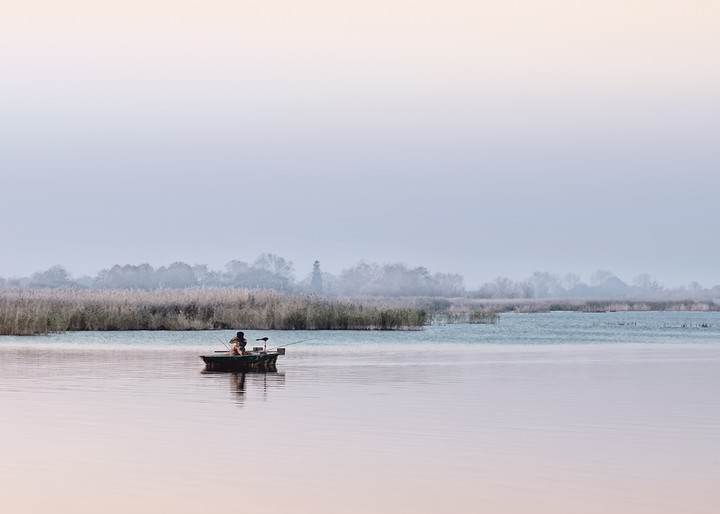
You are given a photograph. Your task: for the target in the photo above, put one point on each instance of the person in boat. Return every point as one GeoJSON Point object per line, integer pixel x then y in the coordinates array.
{"type": "Point", "coordinates": [237, 344]}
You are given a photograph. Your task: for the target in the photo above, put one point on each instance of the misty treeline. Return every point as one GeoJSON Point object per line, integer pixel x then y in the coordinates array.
{"type": "Point", "coordinates": [272, 272]}
{"type": "Point", "coordinates": [602, 284]}
{"type": "Point", "coordinates": [268, 271]}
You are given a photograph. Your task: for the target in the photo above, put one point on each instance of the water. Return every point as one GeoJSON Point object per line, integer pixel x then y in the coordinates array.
{"type": "Point", "coordinates": [556, 413]}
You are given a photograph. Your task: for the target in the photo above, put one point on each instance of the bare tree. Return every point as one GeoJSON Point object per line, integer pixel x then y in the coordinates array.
{"type": "Point", "coordinates": [570, 280]}
{"type": "Point", "coordinates": [57, 276]}
{"type": "Point", "coordinates": [276, 265]}
{"type": "Point", "coordinates": [546, 284]}
{"type": "Point", "coordinates": [503, 287]}
{"type": "Point", "coordinates": [449, 284]}
{"type": "Point", "coordinates": [527, 288]}
{"type": "Point", "coordinates": [646, 284]}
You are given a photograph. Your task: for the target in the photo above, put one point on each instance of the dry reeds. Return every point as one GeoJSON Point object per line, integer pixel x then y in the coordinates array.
{"type": "Point", "coordinates": [475, 317]}
{"type": "Point", "coordinates": [529, 306]}
{"type": "Point", "coordinates": [26, 312]}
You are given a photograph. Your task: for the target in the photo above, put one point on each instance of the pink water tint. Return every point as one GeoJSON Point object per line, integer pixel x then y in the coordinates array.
{"type": "Point", "coordinates": [619, 428]}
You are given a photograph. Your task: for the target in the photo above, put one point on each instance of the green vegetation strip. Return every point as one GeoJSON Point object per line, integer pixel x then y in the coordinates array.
{"type": "Point", "coordinates": [28, 312]}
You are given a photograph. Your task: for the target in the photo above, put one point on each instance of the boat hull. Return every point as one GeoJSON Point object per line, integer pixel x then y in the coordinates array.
{"type": "Point", "coordinates": [262, 361]}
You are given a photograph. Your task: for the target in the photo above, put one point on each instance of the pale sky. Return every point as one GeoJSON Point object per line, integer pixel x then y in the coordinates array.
{"type": "Point", "coordinates": [484, 138]}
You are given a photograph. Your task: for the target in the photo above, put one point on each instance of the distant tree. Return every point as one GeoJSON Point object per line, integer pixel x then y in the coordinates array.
{"type": "Point", "coordinates": [485, 291]}
{"type": "Point", "coordinates": [17, 283]}
{"type": "Point", "coordinates": [276, 265]}
{"type": "Point", "coordinates": [57, 276]}
{"type": "Point", "coordinates": [527, 288]}
{"type": "Point", "coordinates": [397, 279]}
{"type": "Point", "coordinates": [206, 276]}
{"type": "Point", "coordinates": [269, 271]}
{"type": "Point", "coordinates": [546, 285]}
{"type": "Point", "coordinates": [500, 287]}
{"type": "Point", "coordinates": [177, 276]}
{"type": "Point", "coordinates": [84, 282]}
{"type": "Point", "coordinates": [400, 280]}
{"type": "Point", "coordinates": [273, 272]}
{"type": "Point", "coordinates": [143, 276]}
{"type": "Point", "coordinates": [645, 284]}
{"type": "Point", "coordinates": [606, 284]}
{"type": "Point", "coordinates": [128, 276]}
{"type": "Point", "coordinates": [359, 280]}
{"type": "Point", "coordinates": [602, 277]}
{"type": "Point", "coordinates": [236, 273]}
{"type": "Point", "coordinates": [265, 279]}
{"type": "Point", "coordinates": [504, 288]}
{"type": "Point", "coordinates": [316, 282]}
{"type": "Point", "coordinates": [448, 284]}
{"type": "Point", "coordinates": [330, 284]}
{"type": "Point", "coordinates": [570, 280]}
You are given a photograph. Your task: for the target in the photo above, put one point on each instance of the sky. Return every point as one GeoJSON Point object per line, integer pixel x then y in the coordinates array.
{"type": "Point", "coordinates": [486, 138]}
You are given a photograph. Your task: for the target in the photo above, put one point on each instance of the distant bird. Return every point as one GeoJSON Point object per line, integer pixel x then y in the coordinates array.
{"type": "Point", "coordinates": [262, 339]}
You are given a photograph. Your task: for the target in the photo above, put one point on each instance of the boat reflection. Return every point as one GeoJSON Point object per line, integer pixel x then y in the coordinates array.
{"type": "Point", "coordinates": [251, 385]}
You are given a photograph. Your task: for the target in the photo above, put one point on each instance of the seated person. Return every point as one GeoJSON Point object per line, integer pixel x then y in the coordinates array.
{"type": "Point", "coordinates": [237, 344]}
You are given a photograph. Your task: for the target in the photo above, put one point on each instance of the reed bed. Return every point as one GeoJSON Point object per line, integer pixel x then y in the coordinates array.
{"type": "Point", "coordinates": [531, 306]}
{"type": "Point", "coordinates": [28, 312]}
{"type": "Point", "coordinates": [475, 317]}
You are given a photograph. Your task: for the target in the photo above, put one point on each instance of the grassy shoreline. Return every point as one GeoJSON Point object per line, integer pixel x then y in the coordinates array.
{"type": "Point", "coordinates": [29, 312]}
{"type": "Point", "coordinates": [42, 311]}
{"type": "Point", "coordinates": [590, 305]}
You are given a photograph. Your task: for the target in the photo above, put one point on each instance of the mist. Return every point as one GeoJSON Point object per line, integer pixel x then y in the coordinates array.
{"type": "Point", "coordinates": [362, 280]}
{"type": "Point", "coordinates": [486, 139]}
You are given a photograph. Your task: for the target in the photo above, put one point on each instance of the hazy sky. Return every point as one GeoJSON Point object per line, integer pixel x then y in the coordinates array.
{"type": "Point", "coordinates": [485, 138]}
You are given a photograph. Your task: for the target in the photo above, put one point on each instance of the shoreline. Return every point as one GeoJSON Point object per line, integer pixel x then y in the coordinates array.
{"type": "Point", "coordinates": [46, 311]}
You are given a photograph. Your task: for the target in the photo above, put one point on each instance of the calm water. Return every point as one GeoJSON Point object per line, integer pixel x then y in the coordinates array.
{"type": "Point", "coordinates": [543, 413]}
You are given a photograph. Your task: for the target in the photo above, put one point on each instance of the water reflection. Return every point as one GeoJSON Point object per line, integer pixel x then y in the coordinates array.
{"type": "Point", "coordinates": [251, 384]}
{"type": "Point", "coordinates": [372, 423]}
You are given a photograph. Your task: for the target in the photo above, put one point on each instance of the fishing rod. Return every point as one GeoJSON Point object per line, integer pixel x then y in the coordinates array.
{"type": "Point", "coordinates": [223, 343]}
{"type": "Point", "coordinates": [289, 344]}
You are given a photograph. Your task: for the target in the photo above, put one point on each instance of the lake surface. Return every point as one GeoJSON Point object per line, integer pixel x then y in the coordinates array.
{"type": "Point", "coordinates": [541, 413]}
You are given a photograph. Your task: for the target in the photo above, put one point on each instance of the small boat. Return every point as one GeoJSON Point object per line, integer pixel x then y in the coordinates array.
{"type": "Point", "coordinates": [256, 359]}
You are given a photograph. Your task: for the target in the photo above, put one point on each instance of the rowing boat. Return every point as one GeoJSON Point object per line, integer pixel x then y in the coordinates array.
{"type": "Point", "coordinates": [261, 360]}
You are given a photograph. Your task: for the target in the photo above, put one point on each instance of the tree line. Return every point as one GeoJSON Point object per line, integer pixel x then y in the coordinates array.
{"type": "Point", "coordinates": [267, 271]}
{"type": "Point", "coordinates": [602, 284]}
{"type": "Point", "coordinates": [272, 272]}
